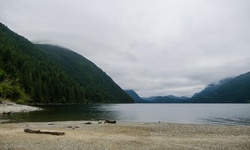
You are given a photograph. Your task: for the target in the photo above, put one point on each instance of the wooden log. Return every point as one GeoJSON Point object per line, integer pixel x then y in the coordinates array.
{"type": "Point", "coordinates": [110, 121]}
{"type": "Point", "coordinates": [87, 123]}
{"type": "Point", "coordinates": [43, 132]}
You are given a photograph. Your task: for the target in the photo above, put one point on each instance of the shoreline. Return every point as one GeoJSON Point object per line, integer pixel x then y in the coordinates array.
{"type": "Point", "coordinates": [11, 107]}
{"type": "Point", "coordinates": [123, 135]}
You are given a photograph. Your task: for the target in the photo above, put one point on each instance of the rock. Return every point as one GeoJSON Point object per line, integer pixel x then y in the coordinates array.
{"type": "Point", "coordinates": [110, 121]}
{"type": "Point", "coordinates": [87, 123]}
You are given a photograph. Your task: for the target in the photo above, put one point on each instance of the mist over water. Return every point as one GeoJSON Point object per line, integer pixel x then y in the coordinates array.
{"type": "Point", "coordinates": [226, 114]}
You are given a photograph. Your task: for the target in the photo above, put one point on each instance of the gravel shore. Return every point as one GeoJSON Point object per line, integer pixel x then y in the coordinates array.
{"type": "Point", "coordinates": [123, 135]}
{"type": "Point", "coordinates": [7, 106]}
{"type": "Point", "coordinates": [93, 135]}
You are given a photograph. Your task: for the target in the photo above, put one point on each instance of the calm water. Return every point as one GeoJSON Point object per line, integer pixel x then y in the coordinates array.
{"type": "Point", "coordinates": [229, 114]}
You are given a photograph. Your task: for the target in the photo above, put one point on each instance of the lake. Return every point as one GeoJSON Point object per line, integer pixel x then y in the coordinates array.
{"type": "Point", "coordinates": [226, 114]}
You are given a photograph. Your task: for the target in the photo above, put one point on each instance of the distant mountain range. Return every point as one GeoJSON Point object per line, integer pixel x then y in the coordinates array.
{"type": "Point", "coordinates": [38, 73]}
{"type": "Point", "coordinates": [171, 99]}
{"type": "Point", "coordinates": [136, 97]}
{"type": "Point", "coordinates": [157, 99]}
{"type": "Point", "coordinates": [229, 90]}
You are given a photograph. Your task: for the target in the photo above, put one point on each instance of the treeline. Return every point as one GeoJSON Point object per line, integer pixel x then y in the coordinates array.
{"type": "Point", "coordinates": [30, 75]}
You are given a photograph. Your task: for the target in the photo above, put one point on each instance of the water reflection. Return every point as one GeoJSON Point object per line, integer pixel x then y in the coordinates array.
{"type": "Point", "coordinates": [227, 114]}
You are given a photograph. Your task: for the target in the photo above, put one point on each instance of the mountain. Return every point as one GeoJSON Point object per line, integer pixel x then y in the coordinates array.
{"type": "Point", "coordinates": [97, 83]}
{"type": "Point", "coordinates": [135, 96]}
{"type": "Point", "coordinates": [209, 89]}
{"type": "Point", "coordinates": [171, 99]}
{"type": "Point", "coordinates": [152, 98]}
{"type": "Point", "coordinates": [236, 90]}
{"type": "Point", "coordinates": [229, 90]}
{"type": "Point", "coordinates": [32, 73]}
{"type": "Point", "coordinates": [157, 99]}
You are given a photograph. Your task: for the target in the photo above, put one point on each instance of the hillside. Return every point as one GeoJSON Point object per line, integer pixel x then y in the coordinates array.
{"type": "Point", "coordinates": [235, 90]}
{"type": "Point", "coordinates": [97, 83]}
{"type": "Point", "coordinates": [50, 74]}
{"type": "Point", "coordinates": [211, 88]}
{"type": "Point", "coordinates": [151, 98]}
{"type": "Point", "coordinates": [135, 97]}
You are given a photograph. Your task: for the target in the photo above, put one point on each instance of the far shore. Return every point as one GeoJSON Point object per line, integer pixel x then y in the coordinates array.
{"type": "Point", "coordinates": [123, 135]}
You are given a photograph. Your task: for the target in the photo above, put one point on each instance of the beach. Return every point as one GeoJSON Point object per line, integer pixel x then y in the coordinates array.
{"type": "Point", "coordinates": [97, 135]}
{"type": "Point", "coordinates": [123, 135]}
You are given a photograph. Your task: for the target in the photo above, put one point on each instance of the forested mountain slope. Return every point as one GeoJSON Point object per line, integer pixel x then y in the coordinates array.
{"type": "Point", "coordinates": [98, 85]}
{"type": "Point", "coordinates": [49, 74]}
{"type": "Point", "coordinates": [236, 90]}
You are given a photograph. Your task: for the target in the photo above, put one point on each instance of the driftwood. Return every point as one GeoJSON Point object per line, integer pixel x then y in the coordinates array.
{"type": "Point", "coordinates": [87, 123]}
{"type": "Point", "coordinates": [43, 132]}
{"type": "Point", "coordinates": [110, 121]}
{"type": "Point", "coordinates": [73, 127]}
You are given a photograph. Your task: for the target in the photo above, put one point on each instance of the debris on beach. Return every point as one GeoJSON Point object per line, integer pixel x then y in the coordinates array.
{"type": "Point", "coordinates": [110, 121]}
{"type": "Point", "coordinates": [27, 130]}
{"type": "Point", "coordinates": [88, 123]}
{"type": "Point", "coordinates": [73, 127]}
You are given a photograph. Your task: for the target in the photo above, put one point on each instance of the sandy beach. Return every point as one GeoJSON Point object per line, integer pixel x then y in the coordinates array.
{"type": "Point", "coordinates": [123, 135]}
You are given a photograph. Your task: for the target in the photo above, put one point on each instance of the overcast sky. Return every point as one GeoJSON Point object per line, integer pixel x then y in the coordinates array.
{"type": "Point", "coordinates": [155, 47]}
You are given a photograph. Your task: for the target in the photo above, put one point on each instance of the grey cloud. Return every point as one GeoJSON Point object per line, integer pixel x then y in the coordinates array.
{"type": "Point", "coordinates": [156, 47]}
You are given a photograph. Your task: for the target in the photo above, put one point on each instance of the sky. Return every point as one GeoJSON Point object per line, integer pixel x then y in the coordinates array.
{"type": "Point", "coordinates": [155, 47]}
